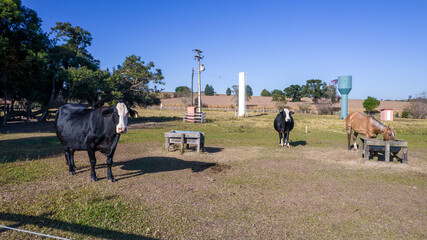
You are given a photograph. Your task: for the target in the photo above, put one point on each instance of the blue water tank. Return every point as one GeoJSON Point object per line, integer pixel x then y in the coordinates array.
{"type": "Point", "coordinates": [344, 86]}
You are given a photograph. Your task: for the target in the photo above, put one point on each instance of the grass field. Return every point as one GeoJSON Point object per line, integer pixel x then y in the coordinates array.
{"type": "Point", "coordinates": [242, 187]}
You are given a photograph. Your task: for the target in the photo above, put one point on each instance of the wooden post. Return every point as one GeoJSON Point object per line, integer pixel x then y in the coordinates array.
{"type": "Point", "coordinates": [387, 151]}
{"type": "Point", "coordinates": [405, 155]}
{"type": "Point", "coordinates": [167, 144]}
{"type": "Point", "coordinates": [182, 141]}
{"type": "Point", "coordinates": [361, 147]}
{"type": "Point", "coordinates": [366, 148]}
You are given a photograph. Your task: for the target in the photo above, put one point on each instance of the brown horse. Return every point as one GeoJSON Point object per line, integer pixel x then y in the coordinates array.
{"type": "Point", "coordinates": [368, 126]}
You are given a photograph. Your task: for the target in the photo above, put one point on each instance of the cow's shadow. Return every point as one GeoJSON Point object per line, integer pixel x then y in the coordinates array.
{"type": "Point", "coordinates": [145, 165]}
{"type": "Point", "coordinates": [297, 143]}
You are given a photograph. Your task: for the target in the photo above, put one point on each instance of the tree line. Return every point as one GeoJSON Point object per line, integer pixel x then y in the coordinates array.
{"type": "Point", "coordinates": [50, 69]}
{"type": "Point", "coordinates": [314, 89]}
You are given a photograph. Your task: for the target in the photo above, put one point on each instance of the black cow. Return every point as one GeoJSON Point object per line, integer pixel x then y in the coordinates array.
{"type": "Point", "coordinates": [283, 124]}
{"type": "Point", "coordinates": [80, 128]}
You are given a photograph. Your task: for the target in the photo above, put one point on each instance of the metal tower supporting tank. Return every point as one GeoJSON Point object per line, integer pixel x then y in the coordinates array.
{"type": "Point", "coordinates": [344, 86]}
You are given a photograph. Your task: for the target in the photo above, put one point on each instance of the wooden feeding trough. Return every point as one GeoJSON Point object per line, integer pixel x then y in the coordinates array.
{"type": "Point", "coordinates": [373, 145]}
{"type": "Point", "coordinates": [185, 138]}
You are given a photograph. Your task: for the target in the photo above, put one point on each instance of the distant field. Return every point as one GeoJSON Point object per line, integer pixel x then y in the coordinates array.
{"type": "Point", "coordinates": [258, 102]}
{"type": "Point", "coordinates": [243, 187]}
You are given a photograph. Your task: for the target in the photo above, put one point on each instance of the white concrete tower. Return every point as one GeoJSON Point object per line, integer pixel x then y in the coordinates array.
{"type": "Point", "coordinates": [242, 94]}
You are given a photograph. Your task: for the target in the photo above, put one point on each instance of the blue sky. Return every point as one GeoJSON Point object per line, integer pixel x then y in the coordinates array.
{"type": "Point", "coordinates": [381, 44]}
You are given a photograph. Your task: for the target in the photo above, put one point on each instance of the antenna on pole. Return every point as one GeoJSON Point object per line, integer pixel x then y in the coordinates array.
{"type": "Point", "coordinates": [198, 57]}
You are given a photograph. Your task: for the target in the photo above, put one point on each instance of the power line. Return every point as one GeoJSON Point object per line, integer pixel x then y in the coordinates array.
{"type": "Point", "coordinates": [212, 75]}
{"type": "Point", "coordinates": [35, 233]}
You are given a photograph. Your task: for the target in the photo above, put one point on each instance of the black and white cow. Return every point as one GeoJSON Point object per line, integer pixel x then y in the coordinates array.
{"type": "Point", "coordinates": [80, 128]}
{"type": "Point", "coordinates": [283, 124]}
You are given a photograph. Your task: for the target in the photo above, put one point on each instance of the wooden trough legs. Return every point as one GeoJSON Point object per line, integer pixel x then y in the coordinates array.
{"type": "Point", "coordinates": [368, 145]}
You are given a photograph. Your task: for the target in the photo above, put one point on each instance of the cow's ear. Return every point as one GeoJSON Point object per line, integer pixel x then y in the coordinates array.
{"type": "Point", "coordinates": [292, 112]}
{"type": "Point", "coordinates": [133, 113]}
{"type": "Point", "coordinates": [107, 112]}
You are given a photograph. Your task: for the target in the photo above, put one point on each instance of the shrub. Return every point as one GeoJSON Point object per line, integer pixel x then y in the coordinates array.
{"type": "Point", "coordinates": [166, 96]}
{"type": "Point", "coordinates": [417, 108]}
{"type": "Point", "coordinates": [304, 107]}
{"type": "Point", "coordinates": [325, 108]}
{"type": "Point", "coordinates": [405, 114]}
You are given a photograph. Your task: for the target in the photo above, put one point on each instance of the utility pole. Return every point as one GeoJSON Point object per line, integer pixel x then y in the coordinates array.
{"type": "Point", "coordinates": [202, 68]}
{"type": "Point", "coordinates": [192, 76]}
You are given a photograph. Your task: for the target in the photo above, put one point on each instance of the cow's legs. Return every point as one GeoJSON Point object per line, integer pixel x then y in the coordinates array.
{"type": "Point", "coordinates": [287, 139]}
{"type": "Point", "coordinates": [280, 139]}
{"type": "Point", "coordinates": [73, 166]}
{"type": "Point", "coordinates": [69, 157]}
{"type": "Point", "coordinates": [110, 158]}
{"type": "Point", "coordinates": [109, 173]}
{"type": "Point", "coordinates": [354, 140]}
{"type": "Point", "coordinates": [92, 160]}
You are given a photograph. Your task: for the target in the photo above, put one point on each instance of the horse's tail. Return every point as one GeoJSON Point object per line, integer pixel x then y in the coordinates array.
{"type": "Point", "coordinates": [348, 128]}
{"type": "Point", "coordinates": [348, 124]}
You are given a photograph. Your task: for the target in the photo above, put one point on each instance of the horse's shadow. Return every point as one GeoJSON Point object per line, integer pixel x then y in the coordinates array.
{"type": "Point", "coordinates": [145, 165]}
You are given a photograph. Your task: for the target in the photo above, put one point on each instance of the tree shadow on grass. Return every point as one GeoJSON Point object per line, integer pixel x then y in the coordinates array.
{"type": "Point", "coordinates": [33, 127]}
{"type": "Point", "coordinates": [44, 221]}
{"type": "Point", "coordinates": [145, 165]}
{"type": "Point", "coordinates": [29, 148]}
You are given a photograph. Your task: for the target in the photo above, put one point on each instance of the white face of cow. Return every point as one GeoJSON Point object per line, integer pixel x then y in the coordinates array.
{"type": "Point", "coordinates": [122, 110]}
{"type": "Point", "coordinates": [287, 116]}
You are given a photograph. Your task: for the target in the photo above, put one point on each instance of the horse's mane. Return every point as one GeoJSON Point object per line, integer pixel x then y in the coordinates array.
{"type": "Point", "coordinates": [378, 124]}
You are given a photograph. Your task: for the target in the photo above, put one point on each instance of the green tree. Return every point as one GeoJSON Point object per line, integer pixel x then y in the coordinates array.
{"type": "Point", "coordinates": [228, 92]}
{"type": "Point", "coordinates": [90, 86]}
{"type": "Point", "coordinates": [236, 95]}
{"type": "Point", "coordinates": [265, 93]}
{"type": "Point", "coordinates": [280, 101]}
{"type": "Point", "coordinates": [23, 47]}
{"type": "Point", "coordinates": [131, 82]}
{"type": "Point", "coordinates": [276, 92]}
{"type": "Point", "coordinates": [75, 41]}
{"type": "Point", "coordinates": [315, 89]}
{"type": "Point", "coordinates": [70, 53]}
{"type": "Point", "coordinates": [279, 98]}
{"type": "Point", "coordinates": [181, 89]}
{"type": "Point", "coordinates": [209, 90]}
{"type": "Point", "coordinates": [294, 92]}
{"type": "Point", "coordinates": [249, 91]}
{"type": "Point", "coordinates": [370, 103]}
{"type": "Point", "coordinates": [184, 93]}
